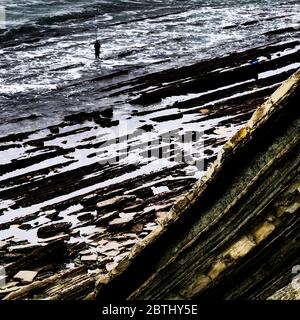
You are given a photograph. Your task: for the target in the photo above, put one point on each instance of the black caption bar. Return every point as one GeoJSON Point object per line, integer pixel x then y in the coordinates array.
{"type": "Point", "coordinates": [144, 309]}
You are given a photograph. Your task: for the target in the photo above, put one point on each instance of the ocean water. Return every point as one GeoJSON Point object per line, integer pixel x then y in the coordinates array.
{"type": "Point", "coordinates": [48, 70]}
{"type": "Point", "coordinates": [44, 46]}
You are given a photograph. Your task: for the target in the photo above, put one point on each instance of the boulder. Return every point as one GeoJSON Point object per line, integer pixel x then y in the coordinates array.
{"type": "Point", "coordinates": [85, 216]}
{"type": "Point", "coordinates": [25, 226]}
{"type": "Point", "coordinates": [54, 129]}
{"type": "Point", "coordinates": [107, 113]}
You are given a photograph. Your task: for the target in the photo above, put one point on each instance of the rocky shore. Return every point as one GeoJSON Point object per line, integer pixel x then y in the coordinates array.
{"type": "Point", "coordinates": [235, 234]}
{"type": "Point", "coordinates": [75, 198]}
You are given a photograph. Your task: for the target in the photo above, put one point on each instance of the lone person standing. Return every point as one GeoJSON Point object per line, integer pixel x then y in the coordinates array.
{"type": "Point", "coordinates": [97, 46]}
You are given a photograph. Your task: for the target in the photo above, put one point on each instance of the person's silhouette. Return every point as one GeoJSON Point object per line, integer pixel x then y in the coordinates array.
{"type": "Point", "coordinates": [97, 49]}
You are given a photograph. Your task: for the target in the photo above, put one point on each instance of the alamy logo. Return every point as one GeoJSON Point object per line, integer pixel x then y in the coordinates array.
{"type": "Point", "coordinates": [144, 144]}
{"type": "Point", "coordinates": [296, 278]}
{"type": "Point", "coordinates": [2, 276]}
{"type": "Point", "coordinates": [2, 17]}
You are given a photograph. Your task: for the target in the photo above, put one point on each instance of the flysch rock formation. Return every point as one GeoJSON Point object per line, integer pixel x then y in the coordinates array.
{"type": "Point", "coordinates": [69, 214]}
{"type": "Point", "coordinates": [235, 235]}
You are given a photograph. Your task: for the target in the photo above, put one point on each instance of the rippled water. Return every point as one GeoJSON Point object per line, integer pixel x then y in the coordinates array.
{"type": "Point", "coordinates": [39, 39]}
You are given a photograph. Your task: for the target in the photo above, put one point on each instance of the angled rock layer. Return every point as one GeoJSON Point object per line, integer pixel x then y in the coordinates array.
{"type": "Point", "coordinates": [235, 235]}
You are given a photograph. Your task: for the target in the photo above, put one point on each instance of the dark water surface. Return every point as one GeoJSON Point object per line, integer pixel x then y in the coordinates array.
{"type": "Point", "coordinates": [47, 45]}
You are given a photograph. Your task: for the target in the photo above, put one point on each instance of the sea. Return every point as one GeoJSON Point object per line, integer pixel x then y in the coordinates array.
{"type": "Point", "coordinates": [46, 46]}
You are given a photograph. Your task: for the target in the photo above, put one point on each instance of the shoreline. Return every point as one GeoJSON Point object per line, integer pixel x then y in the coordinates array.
{"type": "Point", "coordinates": [52, 177]}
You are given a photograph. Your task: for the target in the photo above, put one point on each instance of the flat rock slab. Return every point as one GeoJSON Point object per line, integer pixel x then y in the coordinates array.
{"type": "Point", "coordinates": [53, 229]}
{"type": "Point", "coordinates": [58, 237]}
{"type": "Point", "coordinates": [135, 208]}
{"type": "Point", "coordinates": [129, 243]}
{"type": "Point", "coordinates": [26, 276]}
{"type": "Point", "coordinates": [9, 285]}
{"type": "Point", "coordinates": [85, 252]}
{"type": "Point", "coordinates": [52, 252]}
{"type": "Point", "coordinates": [112, 253]}
{"type": "Point", "coordinates": [24, 248]}
{"type": "Point", "coordinates": [89, 258]}
{"type": "Point", "coordinates": [120, 223]}
{"type": "Point", "coordinates": [113, 245]}
{"type": "Point", "coordinates": [106, 218]}
{"type": "Point", "coordinates": [85, 216]}
{"type": "Point", "coordinates": [113, 202]}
